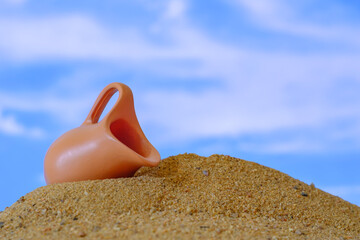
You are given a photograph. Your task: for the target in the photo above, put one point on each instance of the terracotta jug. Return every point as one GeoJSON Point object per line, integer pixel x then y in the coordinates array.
{"type": "Point", "coordinates": [114, 147]}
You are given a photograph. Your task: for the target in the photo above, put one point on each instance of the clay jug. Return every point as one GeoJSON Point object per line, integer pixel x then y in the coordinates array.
{"type": "Point", "coordinates": [114, 147]}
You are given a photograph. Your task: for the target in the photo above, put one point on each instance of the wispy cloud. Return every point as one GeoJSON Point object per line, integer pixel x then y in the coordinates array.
{"type": "Point", "coordinates": [66, 37]}
{"type": "Point", "coordinates": [13, 2]}
{"type": "Point", "coordinates": [175, 9]}
{"type": "Point", "coordinates": [9, 125]}
{"type": "Point", "coordinates": [283, 147]}
{"type": "Point", "coordinates": [286, 17]}
{"type": "Point", "coordinates": [66, 109]}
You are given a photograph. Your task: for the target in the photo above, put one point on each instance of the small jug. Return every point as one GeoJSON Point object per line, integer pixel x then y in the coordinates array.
{"type": "Point", "coordinates": [112, 148]}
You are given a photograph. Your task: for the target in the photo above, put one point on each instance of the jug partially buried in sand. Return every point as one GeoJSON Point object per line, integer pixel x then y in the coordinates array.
{"type": "Point", "coordinates": [114, 147]}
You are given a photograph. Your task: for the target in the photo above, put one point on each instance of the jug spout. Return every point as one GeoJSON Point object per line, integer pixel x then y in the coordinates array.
{"type": "Point", "coordinates": [130, 136]}
{"type": "Point", "coordinates": [127, 135]}
{"type": "Point", "coordinates": [114, 147]}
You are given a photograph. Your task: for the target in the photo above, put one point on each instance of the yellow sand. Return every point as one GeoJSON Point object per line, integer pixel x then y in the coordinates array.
{"type": "Point", "coordinates": [185, 197]}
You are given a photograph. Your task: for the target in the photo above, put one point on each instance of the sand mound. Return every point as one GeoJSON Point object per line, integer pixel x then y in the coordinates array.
{"type": "Point", "coordinates": [186, 196]}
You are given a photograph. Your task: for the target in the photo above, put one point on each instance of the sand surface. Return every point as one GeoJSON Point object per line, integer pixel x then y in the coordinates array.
{"type": "Point", "coordinates": [185, 197]}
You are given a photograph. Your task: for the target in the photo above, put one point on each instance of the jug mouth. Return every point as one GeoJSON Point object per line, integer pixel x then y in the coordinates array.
{"type": "Point", "coordinates": [127, 135]}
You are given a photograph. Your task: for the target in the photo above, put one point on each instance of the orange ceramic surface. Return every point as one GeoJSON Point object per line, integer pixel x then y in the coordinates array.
{"type": "Point", "coordinates": [114, 147]}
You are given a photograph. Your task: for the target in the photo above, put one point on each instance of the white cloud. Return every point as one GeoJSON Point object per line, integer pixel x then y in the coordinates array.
{"type": "Point", "coordinates": [68, 100]}
{"type": "Point", "coordinates": [69, 37]}
{"type": "Point", "coordinates": [281, 147]}
{"type": "Point", "coordinates": [66, 109]}
{"type": "Point", "coordinates": [283, 16]}
{"type": "Point", "coordinates": [175, 9]}
{"type": "Point", "coordinates": [14, 2]}
{"type": "Point", "coordinates": [10, 126]}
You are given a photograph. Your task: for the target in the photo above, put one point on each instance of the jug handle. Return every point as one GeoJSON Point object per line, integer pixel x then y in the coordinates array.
{"type": "Point", "coordinates": [103, 99]}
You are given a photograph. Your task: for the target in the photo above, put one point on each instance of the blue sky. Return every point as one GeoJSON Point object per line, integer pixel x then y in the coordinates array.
{"type": "Point", "coordinates": [275, 82]}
